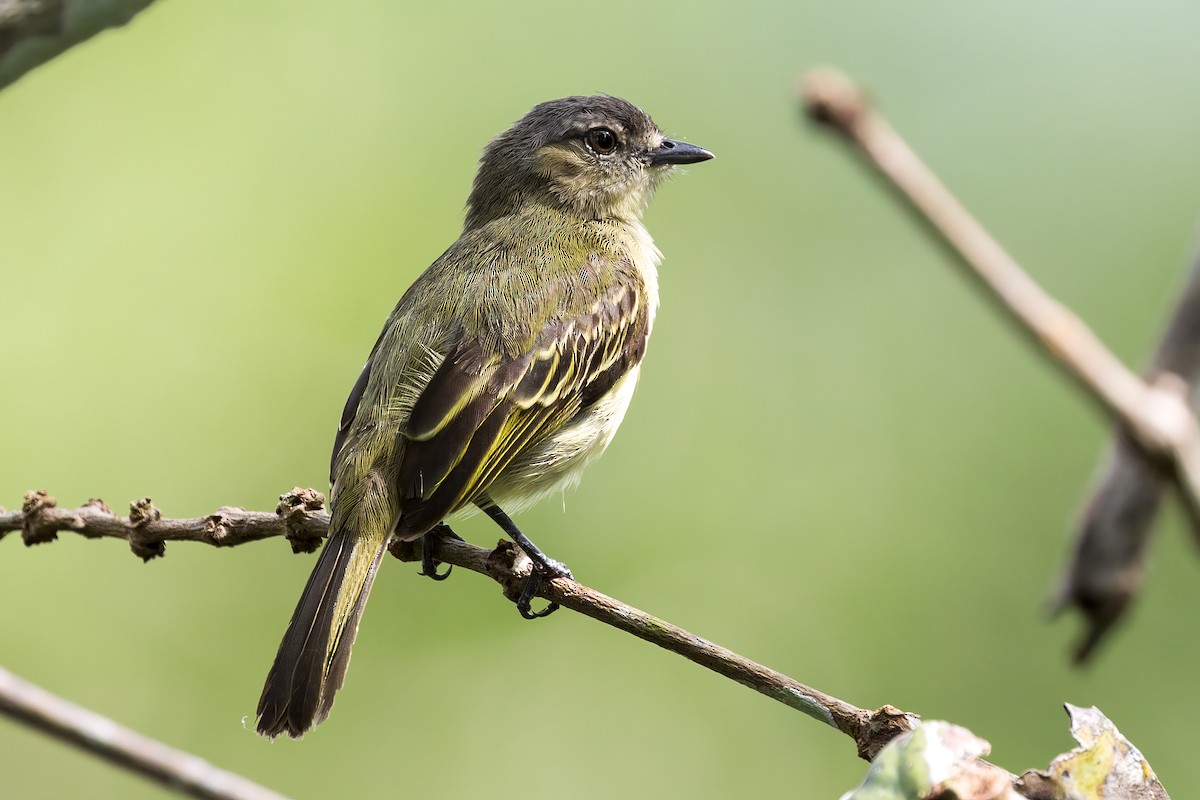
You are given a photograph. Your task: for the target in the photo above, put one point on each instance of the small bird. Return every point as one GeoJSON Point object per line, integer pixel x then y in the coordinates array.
{"type": "Point", "coordinates": [503, 370]}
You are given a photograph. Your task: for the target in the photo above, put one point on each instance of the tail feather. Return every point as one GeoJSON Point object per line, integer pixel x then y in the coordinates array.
{"type": "Point", "coordinates": [315, 652]}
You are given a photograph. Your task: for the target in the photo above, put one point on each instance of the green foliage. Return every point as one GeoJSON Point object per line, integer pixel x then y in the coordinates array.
{"type": "Point", "coordinates": [839, 461]}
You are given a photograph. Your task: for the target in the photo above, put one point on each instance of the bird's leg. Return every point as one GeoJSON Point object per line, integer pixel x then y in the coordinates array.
{"type": "Point", "coordinates": [429, 564]}
{"type": "Point", "coordinates": [543, 566]}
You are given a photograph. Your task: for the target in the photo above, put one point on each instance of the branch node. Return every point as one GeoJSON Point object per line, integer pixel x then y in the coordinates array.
{"type": "Point", "coordinates": [882, 726]}
{"type": "Point", "coordinates": [831, 98]}
{"type": "Point", "coordinates": [1168, 409]}
{"type": "Point", "coordinates": [37, 527]}
{"type": "Point", "coordinates": [510, 567]}
{"type": "Point", "coordinates": [300, 510]}
{"type": "Point", "coordinates": [143, 513]}
{"type": "Point", "coordinates": [94, 507]}
{"type": "Point", "coordinates": [98, 505]}
{"type": "Point", "coordinates": [216, 526]}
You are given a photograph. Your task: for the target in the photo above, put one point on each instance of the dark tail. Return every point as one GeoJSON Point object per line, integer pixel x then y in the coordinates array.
{"type": "Point", "coordinates": [312, 659]}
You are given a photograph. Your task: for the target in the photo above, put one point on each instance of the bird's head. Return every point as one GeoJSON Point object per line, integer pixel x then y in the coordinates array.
{"type": "Point", "coordinates": [599, 157]}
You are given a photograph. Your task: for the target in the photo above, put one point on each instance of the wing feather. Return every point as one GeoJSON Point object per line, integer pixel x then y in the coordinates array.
{"type": "Point", "coordinates": [453, 386]}
{"type": "Point", "coordinates": [478, 414]}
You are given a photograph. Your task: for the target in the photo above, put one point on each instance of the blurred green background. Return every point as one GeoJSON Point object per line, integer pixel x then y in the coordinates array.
{"type": "Point", "coordinates": [840, 461]}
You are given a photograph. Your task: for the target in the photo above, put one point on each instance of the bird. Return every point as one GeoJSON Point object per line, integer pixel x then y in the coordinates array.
{"type": "Point", "coordinates": [503, 370]}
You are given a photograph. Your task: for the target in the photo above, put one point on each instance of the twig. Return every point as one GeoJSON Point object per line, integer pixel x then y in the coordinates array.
{"type": "Point", "coordinates": [175, 769]}
{"type": "Point", "coordinates": [35, 31]}
{"type": "Point", "coordinates": [1155, 414]}
{"type": "Point", "coordinates": [1107, 564]}
{"type": "Point", "coordinates": [301, 519]}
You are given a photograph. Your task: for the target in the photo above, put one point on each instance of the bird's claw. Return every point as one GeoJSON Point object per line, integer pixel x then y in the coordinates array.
{"type": "Point", "coordinates": [548, 569]}
{"type": "Point", "coordinates": [429, 568]}
{"type": "Point", "coordinates": [429, 564]}
{"type": "Point", "coordinates": [528, 592]}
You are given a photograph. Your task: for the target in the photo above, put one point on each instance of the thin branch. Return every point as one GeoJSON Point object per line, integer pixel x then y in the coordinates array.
{"type": "Point", "coordinates": [34, 31]}
{"type": "Point", "coordinates": [175, 769]}
{"type": "Point", "coordinates": [301, 519]}
{"type": "Point", "coordinates": [1155, 414]}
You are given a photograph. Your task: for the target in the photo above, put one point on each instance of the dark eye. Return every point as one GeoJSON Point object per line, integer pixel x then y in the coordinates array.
{"type": "Point", "coordinates": [602, 140]}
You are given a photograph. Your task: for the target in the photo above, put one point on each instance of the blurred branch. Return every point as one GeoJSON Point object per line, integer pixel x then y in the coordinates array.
{"type": "Point", "coordinates": [34, 31]}
{"type": "Point", "coordinates": [300, 517]}
{"type": "Point", "coordinates": [1107, 564]}
{"type": "Point", "coordinates": [179, 771]}
{"type": "Point", "coordinates": [1155, 414]}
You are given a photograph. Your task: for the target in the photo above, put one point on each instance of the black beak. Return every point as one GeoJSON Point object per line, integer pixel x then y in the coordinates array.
{"type": "Point", "coordinates": [674, 152]}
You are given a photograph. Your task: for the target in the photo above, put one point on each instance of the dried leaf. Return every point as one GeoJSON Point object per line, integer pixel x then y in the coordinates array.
{"type": "Point", "coordinates": [936, 761]}
{"type": "Point", "coordinates": [1105, 766]}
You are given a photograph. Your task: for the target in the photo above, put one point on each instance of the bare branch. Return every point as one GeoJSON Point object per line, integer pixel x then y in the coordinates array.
{"type": "Point", "coordinates": [300, 518]}
{"type": "Point", "coordinates": [509, 567]}
{"type": "Point", "coordinates": [182, 772]}
{"type": "Point", "coordinates": [1156, 414]}
{"type": "Point", "coordinates": [35, 31]}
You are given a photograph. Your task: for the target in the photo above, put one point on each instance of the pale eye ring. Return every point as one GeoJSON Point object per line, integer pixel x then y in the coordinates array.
{"type": "Point", "coordinates": [602, 141]}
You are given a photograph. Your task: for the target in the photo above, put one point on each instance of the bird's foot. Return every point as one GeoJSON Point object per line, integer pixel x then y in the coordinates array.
{"type": "Point", "coordinates": [429, 564]}
{"type": "Point", "coordinates": [543, 570]}
{"type": "Point", "coordinates": [544, 567]}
